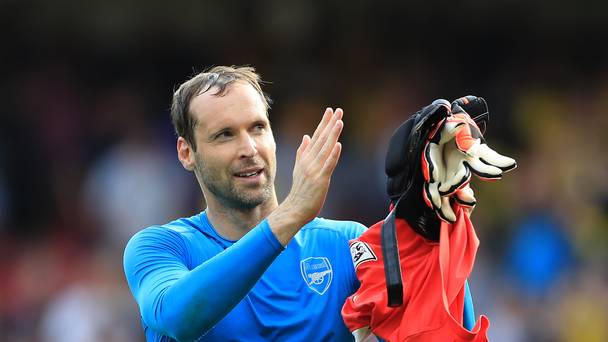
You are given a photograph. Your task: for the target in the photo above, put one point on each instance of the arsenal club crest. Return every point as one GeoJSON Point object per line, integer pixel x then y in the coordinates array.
{"type": "Point", "coordinates": [317, 273]}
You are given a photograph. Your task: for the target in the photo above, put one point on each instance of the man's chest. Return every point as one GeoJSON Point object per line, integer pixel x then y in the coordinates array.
{"type": "Point", "coordinates": [300, 294]}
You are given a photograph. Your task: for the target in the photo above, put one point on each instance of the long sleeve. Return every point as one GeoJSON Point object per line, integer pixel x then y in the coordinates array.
{"type": "Point", "coordinates": [184, 304]}
{"type": "Point", "coordinates": [468, 314]}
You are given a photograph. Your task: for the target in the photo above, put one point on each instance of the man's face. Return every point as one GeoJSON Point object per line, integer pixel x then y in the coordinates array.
{"type": "Point", "coordinates": [235, 158]}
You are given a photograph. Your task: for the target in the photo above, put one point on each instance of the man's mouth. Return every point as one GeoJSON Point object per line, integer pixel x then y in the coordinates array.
{"type": "Point", "coordinates": [249, 173]}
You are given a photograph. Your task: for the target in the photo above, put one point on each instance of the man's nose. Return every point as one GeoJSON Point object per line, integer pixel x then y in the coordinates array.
{"type": "Point", "coordinates": [248, 147]}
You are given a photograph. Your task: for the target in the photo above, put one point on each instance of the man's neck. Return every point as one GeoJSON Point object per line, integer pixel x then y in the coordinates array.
{"type": "Point", "coordinates": [233, 223]}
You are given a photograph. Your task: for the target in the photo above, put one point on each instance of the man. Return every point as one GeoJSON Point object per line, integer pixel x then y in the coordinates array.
{"type": "Point", "coordinates": [246, 268]}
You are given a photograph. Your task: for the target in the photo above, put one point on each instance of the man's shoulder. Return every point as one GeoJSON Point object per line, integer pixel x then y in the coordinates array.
{"type": "Point", "coordinates": [182, 228]}
{"type": "Point", "coordinates": [348, 229]}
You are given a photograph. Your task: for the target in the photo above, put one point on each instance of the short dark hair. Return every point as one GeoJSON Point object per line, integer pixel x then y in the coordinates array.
{"type": "Point", "coordinates": [219, 77]}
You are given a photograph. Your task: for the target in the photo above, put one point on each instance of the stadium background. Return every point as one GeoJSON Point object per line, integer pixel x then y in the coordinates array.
{"type": "Point", "coordinates": [87, 151]}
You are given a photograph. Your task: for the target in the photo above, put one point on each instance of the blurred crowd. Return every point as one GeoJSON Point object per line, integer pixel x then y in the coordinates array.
{"type": "Point", "coordinates": [87, 152]}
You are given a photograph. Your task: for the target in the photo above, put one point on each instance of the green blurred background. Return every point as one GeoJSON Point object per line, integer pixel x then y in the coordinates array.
{"type": "Point", "coordinates": [87, 152]}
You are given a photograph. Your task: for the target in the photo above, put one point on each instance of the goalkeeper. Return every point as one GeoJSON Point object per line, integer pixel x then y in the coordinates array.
{"type": "Point", "coordinates": [246, 268]}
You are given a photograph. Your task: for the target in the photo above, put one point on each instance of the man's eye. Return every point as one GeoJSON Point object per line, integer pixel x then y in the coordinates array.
{"type": "Point", "coordinates": [223, 135]}
{"type": "Point", "coordinates": [259, 128]}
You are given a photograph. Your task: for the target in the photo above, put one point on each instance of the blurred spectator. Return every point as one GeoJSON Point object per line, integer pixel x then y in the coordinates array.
{"type": "Point", "coordinates": [138, 181]}
{"type": "Point", "coordinates": [93, 308]}
{"type": "Point", "coordinates": [538, 254]}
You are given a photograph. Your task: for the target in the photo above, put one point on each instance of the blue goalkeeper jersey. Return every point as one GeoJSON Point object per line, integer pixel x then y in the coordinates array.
{"type": "Point", "coordinates": [192, 284]}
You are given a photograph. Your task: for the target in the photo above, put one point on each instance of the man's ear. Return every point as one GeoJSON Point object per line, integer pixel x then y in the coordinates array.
{"type": "Point", "coordinates": [185, 154]}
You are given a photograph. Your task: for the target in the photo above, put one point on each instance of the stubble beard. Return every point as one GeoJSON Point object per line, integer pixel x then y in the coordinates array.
{"type": "Point", "coordinates": [229, 194]}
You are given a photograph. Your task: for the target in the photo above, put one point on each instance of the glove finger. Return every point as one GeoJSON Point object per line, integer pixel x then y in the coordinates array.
{"type": "Point", "coordinates": [427, 163]}
{"type": "Point", "coordinates": [491, 157]}
{"type": "Point", "coordinates": [459, 180]}
{"type": "Point", "coordinates": [466, 133]}
{"type": "Point", "coordinates": [465, 196]}
{"type": "Point", "coordinates": [456, 173]}
{"type": "Point", "coordinates": [449, 130]}
{"type": "Point", "coordinates": [470, 141]}
{"type": "Point", "coordinates": [432, 163]}
{"type": "Point", "coordinates": [446, 213]}
{"type": "Point", "coordinates": [431, 195]}
{"type": "Point", "coordinates": [483, 170]}
{"type": "Point", "coordinates": [433, 166]}
{"type": "Point", "coordinates": [432, 156]}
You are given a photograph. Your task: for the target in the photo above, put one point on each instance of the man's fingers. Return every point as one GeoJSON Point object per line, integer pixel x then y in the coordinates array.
{"type": "Point", "coordinates": [339, 113]}
{"type": "Point", "coordinates": [303, 146]}
{"type": "Point", "coordinates": [327, 116]}
{"type": "Point", "coordinates": [332, 160]}
{"type": "Point", "coordinates": [321, 152]}
{"type": "Point", "coordinates": [330, 141]}
{"type": "Point", "coordinates": [319, 141]}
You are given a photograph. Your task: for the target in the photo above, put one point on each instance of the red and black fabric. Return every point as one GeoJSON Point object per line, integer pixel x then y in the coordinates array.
{"type": "Point", "coordinates": [427, 241]}
{"type": "Point", "coordinates": [405, 182]}
{"type": "Point", "coordinates": [434, 274]}
{"type": "Point", "coordinates": [405, 186]}
{"type": "Point", "coordinates": [410, 171]}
